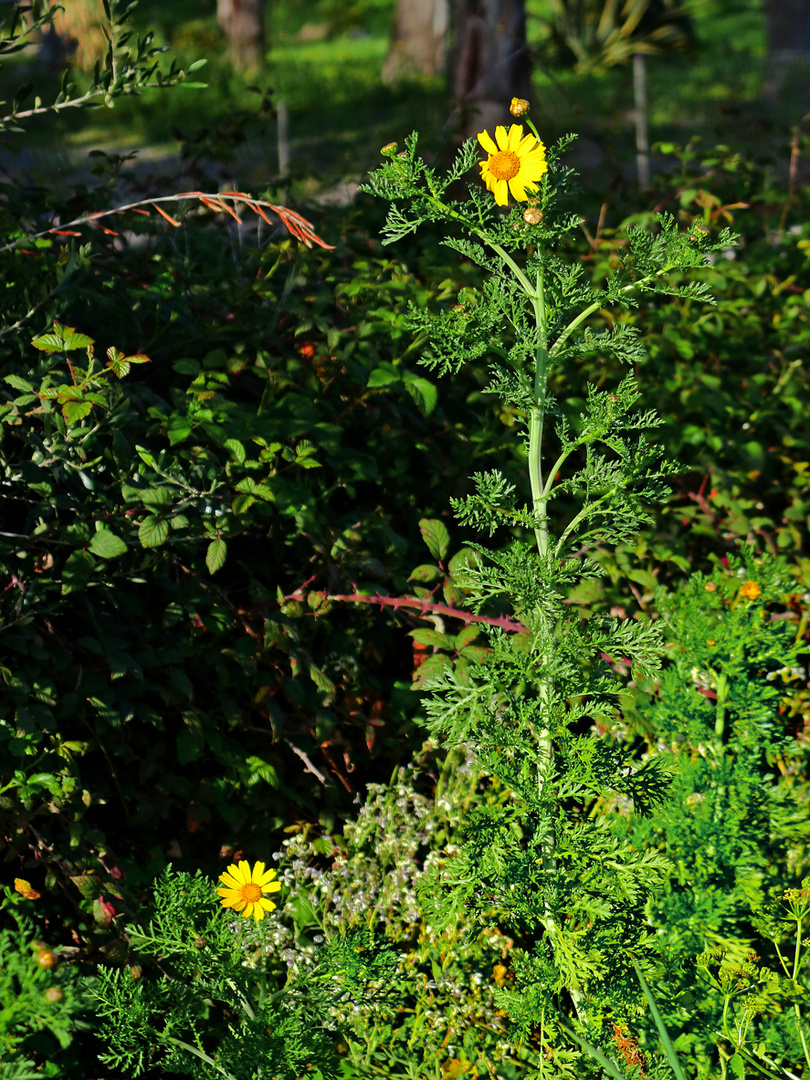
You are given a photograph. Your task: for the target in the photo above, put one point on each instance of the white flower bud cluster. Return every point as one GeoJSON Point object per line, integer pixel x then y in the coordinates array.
{"type": "Point", "coordinates": [371, 878]}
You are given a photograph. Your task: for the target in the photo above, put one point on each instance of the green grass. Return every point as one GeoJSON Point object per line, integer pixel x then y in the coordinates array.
{"type": "Point", "coordinates": [340, 113]}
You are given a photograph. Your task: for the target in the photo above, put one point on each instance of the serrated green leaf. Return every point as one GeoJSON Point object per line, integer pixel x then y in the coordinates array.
{"type": "Point", "coordinates": [156, 496]}
{"type": "Point", "coordinates": [463, 559]}
{"type": "Point", "coordinates": [76, 410]}
{"type": "Point", "coordinates": [425, 572]}
{"type": "Point", "coordinates": [423, 392]}
{"type": "Point", "coordinates": [78, 568]}
{"type": "Point", "coordinates": [435, 536]}
{"type": "Point", "coordinates": [215, 555]}
{"type": "Point", "coordinates": [643, 577]}
{"type": "Point", "coordinates": [424, 636]}
{"type": "Point", "coordinates": [321, 680]}
{"type": "Point", "coordinates": [236, 449]}
{"type": "Point", "coordinates": [106, 544]}
{"type": "Point", "coordinates": [152, 531]}
{"type": "Point", "coordinates": [18, 383]}
{"type": "Point", "coordinates": [69, 393]}
{"type": "Point", "coordinates": [383, 375]}
{"type": "Point", "coordinates": [178, 431]}
{"type": "Point", "coordinates": [62, 339]}
{"type": "Point", "coordinates": [434, 665]}
{"type": "Point", "coordinates": [468, 634]}
{"type": "Point", "coordinates": [145, 455]}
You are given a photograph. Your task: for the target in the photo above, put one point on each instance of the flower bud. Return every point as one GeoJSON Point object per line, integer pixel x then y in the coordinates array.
{"type": "Point", "coordinates": [389, 149]}
{"type": "Point", "coordinates": [519, 106]}
{"type": "Point", "coordinates": [53, 994]}
{"type": "Point", "coordinates": [532, 216]}
{"type": "Point", "coordinates": [46, 958]}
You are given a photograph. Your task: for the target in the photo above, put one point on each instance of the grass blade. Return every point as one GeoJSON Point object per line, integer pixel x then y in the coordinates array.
{"type": "Point", "coordinates": [606, 1063]}
{"type": "Point", "coordinates": [669, 1049]}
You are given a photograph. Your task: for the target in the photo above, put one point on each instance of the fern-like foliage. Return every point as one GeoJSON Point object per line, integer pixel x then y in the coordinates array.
{"type": "Point", "coordinates": [541, 863]}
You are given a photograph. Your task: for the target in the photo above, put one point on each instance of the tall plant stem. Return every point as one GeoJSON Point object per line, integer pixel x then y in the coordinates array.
{"type": "Point", "coordinates": [796, 1009]}
{"type": "Point", "coordinates": [536, 421]}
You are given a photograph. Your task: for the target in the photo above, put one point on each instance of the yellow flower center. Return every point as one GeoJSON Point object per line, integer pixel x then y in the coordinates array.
{"type": "Point", "coordinates": [251, 893]}
{"type": "Point", "coordinates": [504, 165]}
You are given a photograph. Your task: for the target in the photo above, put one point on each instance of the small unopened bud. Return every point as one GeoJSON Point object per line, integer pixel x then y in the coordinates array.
{"type": "Point", "coordinates": [46, 958]}
{"type": "Point", "coordinates": [53, 994]}
{"type": "Point", "coordinates": [389, 149]}
{"type": "Point", "coordinates": [403, 154]}
{"type": "Point", "coordinates": [532, 216]}
{"type": "Point", "coordinates": [518, 106]}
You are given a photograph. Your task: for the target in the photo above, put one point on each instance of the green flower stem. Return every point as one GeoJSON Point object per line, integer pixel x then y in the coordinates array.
{"type": "Point", "coordinates": [243, 999]}
{"type": "Point", "coordinates": [538, 415]}
{"type": "Point", "coordinates": [720, 713]}
{"type": "Point", "coordinates": [200, 1054]}
{"type": "Point", "coordinates": [796, 963]}
{"type": "Point", "coordinates": [597, 304]}
{"type": "Point", "coordinates": [585, 512]}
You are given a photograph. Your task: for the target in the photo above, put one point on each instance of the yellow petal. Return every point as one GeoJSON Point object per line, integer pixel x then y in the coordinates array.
{"type": "Point", "coordinates": [485, 140]}
{"type": "Point", "coordinates": [244, 870]}
{"type": "Point", "coordinates": [519, 188]}
{"type": "Point", "coordinates": [500, 191]}
{"type": "Point", "coordinates": [272, 886]}
{"type": "Point", "coordinates": [258, 870]}
{"type": "Point", "coordinates": [227, 878]}
{"type": "Point", "coordinates": [500, 137]}
{"type": "Point", "coordinates": [526, 144]}
{"type": "Point", "coordinates": [268, 905]}
{"type": "Point", "coordinates": [265, 879]}
{"type": "Point", "coordinates": [258, 912]}
{"type": "Point", "coordinates": [514, 136]}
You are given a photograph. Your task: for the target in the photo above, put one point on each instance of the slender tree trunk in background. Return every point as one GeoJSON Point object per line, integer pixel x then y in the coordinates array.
{"type": "Point", "coordinates": [418, 39]}
{"type": "Point", "coordinates": [492, 62]}
{"type": "Point", "coordinates": [75, 36]}
{"type": "Point", "coordinates": [243, 23]}
{"type": "Point", "coordinates": [641, 116]}
{"type": "Point", "coordinates": [787, 24]}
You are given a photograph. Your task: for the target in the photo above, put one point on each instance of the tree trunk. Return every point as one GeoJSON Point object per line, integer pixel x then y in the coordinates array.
{"type": "Point", "coordinates": [75, 36]}
{"type": "Point", "coordinates": [243, 23]}
{"type": "Point", "coordinates": [787, 24]}
{"type": "Point", "coordinates": [492, 61]}
{"type": "Point", "coordinates": [418, 39]}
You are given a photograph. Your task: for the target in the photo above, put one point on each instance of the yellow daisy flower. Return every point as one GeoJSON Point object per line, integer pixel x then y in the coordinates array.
{"type": "Point", "coordinates": [514, 164]}
{"type": "Point", "coordinates": [750, 590]}
{"type": "Point", "coordinates": [244, 887]}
